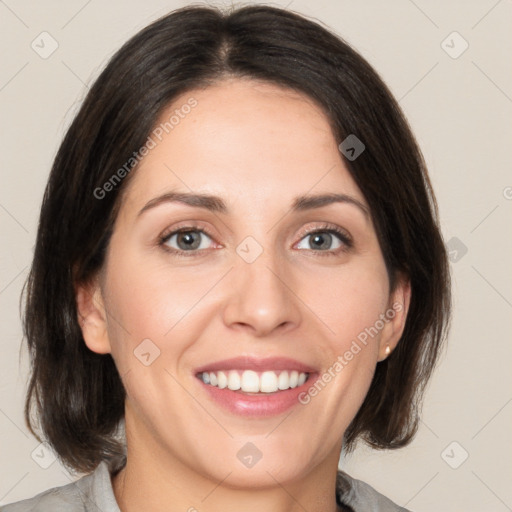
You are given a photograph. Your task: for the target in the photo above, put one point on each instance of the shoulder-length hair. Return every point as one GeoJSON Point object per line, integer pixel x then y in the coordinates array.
{"type": "Point", "coordinates": [77, 394]}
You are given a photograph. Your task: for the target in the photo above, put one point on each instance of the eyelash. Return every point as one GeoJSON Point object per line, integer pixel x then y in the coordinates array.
{"type": "Point", "coordinates": [325, 228]}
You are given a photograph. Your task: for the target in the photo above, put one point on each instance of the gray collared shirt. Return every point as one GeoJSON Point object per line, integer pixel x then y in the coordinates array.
{"type": "Point", "coordinates": [94, 493]}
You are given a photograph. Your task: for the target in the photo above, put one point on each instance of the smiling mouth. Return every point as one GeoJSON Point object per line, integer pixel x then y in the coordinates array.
{"type": "Point", "coordinates": [252, 382]}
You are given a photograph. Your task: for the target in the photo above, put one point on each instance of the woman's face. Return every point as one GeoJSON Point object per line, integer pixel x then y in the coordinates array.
{"type": "Point", "coordinates": [248, 280]}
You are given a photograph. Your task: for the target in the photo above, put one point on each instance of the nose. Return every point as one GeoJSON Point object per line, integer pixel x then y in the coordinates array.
{"type": "Point", "coordinates": [262, 298]}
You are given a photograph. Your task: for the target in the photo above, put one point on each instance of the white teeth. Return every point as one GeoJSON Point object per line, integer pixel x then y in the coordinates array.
{"type": "Point", "coordinates": [233, 380]}
{"type": "Point", "coordinates": [294, 377]}
{"type": "Point", "coordinates": [250, 381]}
{"type": "Point", "coordinates": [222, 380]}
{"type": "Point", "coordinates": [283, 382]}
{"type": "Point", "coordinates": [268, 382]}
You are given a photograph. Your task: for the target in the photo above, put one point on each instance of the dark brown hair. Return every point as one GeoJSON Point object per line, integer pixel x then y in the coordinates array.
{"type": "Point", "coordinates": [78, 394]}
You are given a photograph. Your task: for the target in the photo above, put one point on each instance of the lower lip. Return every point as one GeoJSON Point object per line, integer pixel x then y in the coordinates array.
{"type": "Point", "coordinates": [260, 405]}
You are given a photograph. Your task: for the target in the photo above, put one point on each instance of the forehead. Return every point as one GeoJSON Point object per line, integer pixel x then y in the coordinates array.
{"type": "Point", "coordinates": [243, 139]}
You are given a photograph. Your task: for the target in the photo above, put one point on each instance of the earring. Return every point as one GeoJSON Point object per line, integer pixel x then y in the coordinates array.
{"type": "Point", "coordinates": [387, 350]}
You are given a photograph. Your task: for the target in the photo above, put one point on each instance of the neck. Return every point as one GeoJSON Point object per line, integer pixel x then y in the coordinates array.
{"type": "Point", "coordinates": [133, 492]}
{"type": "Point", "coordinates": [154, 480]}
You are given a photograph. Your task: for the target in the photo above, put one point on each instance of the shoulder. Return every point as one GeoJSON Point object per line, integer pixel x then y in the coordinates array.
{"type": "Point", "coordinates": [53, 499]}
{"type": "Point", "coordinates": [91, 492]}
{"type": "Point", "coordinates": [362, 497]}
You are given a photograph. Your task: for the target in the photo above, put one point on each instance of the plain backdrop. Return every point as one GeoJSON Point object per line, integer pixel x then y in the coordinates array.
{"type": "Point", "coordinates": [448, 63]}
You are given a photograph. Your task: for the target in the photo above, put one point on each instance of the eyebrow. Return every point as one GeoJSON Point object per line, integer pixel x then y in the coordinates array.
{"type": "Point", "coordinates": [217, 204]}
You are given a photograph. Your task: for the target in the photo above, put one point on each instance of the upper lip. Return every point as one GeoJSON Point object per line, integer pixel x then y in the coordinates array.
{"type": "Point", "coordinates": [256, 364]}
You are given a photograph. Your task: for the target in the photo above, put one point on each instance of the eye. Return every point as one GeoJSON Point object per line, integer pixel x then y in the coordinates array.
{"type": "Point", "coordinates": [322, 240]}
{"type": "Point", "coordinates": [189, 239]}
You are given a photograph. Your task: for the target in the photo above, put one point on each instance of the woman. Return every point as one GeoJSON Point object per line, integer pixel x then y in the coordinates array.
{"type": "Point", "coordinates": [238, 273]}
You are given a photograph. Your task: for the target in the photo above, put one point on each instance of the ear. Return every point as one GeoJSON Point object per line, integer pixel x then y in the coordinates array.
{"type": "Point", "coordinates": [395, 317]}
{"type": "Point", "coordinates": [92, 316]}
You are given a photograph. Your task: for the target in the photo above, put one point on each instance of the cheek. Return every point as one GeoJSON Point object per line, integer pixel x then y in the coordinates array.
{"type": "Point", "coordinates": [351, 300]}
{"type": "Point", "coordinates": [351, 303]}
{"type": "Point", "coordinates": [148, 301]}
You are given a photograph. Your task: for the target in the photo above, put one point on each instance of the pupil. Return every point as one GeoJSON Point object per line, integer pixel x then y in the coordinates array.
{"type": "Point", "coordinates": [188, 238]}
{"type": "Point", "coordinates": [321, 238]}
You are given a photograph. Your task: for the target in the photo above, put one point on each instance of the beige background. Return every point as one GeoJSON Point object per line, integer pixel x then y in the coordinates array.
{"type": "Point", "coordinates": [460, 110]}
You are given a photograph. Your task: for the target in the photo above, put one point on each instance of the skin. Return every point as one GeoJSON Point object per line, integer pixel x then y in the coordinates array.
{"type": "Point", "coordinates": [257, 146]}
